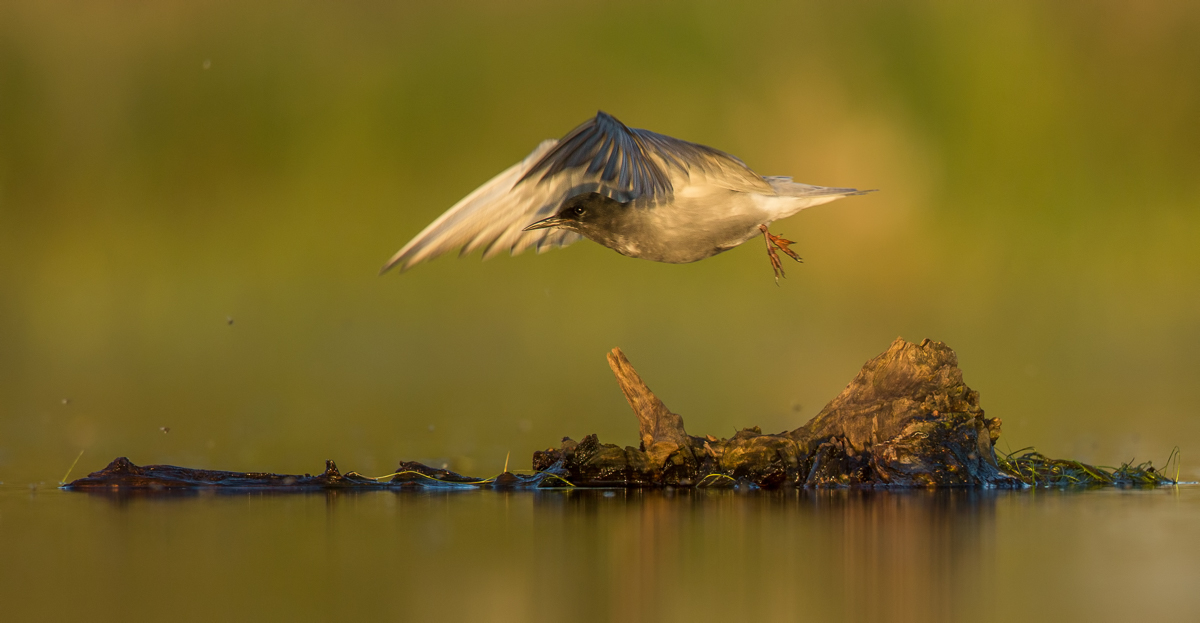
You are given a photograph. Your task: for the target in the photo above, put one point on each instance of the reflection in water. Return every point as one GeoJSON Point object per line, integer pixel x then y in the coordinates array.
{"type": "Point", "coordinates": [599, 555]}
{"type": "Point", "coordinates": [857, 554]}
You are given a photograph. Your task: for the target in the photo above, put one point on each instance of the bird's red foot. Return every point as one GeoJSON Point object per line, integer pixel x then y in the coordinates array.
{"type": "Point", "coordinates": [782, 244]}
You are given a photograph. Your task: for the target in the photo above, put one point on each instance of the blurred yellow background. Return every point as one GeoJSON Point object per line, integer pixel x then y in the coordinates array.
{"type": "Point", "coordinates": [168, 167]}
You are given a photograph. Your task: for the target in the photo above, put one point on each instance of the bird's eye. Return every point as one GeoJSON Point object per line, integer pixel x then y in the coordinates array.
{"type": "Point", "coordinates": [577, 211]}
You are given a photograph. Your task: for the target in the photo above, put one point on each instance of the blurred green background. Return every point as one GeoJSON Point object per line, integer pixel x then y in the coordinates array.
{"type": "Point", "coordinates": [166, 167]}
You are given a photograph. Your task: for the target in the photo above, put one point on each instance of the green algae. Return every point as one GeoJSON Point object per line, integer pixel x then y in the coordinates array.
{"type": "Point", "coordinates": [1038, 470]}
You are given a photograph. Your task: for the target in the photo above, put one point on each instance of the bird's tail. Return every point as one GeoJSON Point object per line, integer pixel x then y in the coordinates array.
{"type": "Point", "coordinates": [791, 197]}
{"type": "Point", "coordinates": [785, 187]}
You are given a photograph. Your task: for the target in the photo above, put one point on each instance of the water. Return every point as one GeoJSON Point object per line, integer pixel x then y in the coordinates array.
{"type": "Point", "coordinates": [1101, 555]}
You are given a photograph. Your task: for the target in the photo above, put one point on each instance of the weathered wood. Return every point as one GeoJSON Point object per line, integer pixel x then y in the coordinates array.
{"type": "Point", "coordinates": [906, 419]}
{"type": "Point", "coordinates": [122, 475]}
{"type": "Point", "coordinates": [656, 422]}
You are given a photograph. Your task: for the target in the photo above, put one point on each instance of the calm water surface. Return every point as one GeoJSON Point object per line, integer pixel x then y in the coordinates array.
{"type": "Point", "coordinates": [602, 556]}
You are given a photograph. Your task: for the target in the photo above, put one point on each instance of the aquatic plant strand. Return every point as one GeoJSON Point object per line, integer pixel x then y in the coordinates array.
{"type": "Point", "coordinates": [1037, 470]}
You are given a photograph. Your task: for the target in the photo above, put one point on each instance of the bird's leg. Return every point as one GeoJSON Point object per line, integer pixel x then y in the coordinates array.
{"type": "Point", "coordinates": [782, 244]}
{"type": "Point", "coordinates": [771, 255]}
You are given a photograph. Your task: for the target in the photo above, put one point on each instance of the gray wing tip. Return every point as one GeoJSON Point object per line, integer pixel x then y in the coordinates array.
{"type": "Point", "coordinates": [848, 192]}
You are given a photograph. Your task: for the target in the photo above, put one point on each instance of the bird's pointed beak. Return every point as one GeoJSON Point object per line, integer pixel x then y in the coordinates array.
{"type": "Point", "coordinates": [553, 221]}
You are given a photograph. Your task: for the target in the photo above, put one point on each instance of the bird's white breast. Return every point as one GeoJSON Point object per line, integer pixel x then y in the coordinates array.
{"type": "Point", "coordinates": [697, 222]}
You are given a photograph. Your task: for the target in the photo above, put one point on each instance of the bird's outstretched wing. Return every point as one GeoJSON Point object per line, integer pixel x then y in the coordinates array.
{"type": "Point", "coordinates": [602, 155]}
{"type": "Point", "coordinates": [481, 217]}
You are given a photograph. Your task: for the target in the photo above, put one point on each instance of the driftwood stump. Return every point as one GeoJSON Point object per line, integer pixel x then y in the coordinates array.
{"type": "Point", "coordinates": [907, 419]}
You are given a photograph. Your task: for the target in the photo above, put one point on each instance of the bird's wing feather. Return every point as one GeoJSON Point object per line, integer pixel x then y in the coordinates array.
{"type": "Point", "coordinates": [480, 217]}
{"type": "Point", "coordinates": [602, 155]}
{"type": "Point", "coordinates": [605, 156]}
{"type": "Point", "coordinates": [701, 164]}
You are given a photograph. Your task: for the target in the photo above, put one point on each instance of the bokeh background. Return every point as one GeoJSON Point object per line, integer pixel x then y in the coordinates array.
{"type": "Point", "coordinates": [195, 199]}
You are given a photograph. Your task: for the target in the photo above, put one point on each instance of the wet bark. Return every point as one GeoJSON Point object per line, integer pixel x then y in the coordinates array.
{"type": "Point", "coordinates": [906, 419]}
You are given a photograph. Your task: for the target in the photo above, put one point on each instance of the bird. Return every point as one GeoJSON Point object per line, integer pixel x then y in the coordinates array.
{"type": "Point", "coordinates": [642, 194]}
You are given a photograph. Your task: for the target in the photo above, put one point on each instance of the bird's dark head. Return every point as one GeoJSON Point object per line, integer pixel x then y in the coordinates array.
{"type": "Point", "coordinates": [590, 214]}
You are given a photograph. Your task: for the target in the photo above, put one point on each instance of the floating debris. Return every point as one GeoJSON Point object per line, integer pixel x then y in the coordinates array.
{"type": "Point", "coordinates": [906, 420]}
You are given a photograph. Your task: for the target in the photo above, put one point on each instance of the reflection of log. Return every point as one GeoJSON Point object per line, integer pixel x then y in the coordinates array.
{"type": "Point", "coordinates": [907, 419]}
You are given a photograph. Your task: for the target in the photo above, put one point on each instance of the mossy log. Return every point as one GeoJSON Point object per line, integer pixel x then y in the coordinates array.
{"type": "Point", "coordinates": [906, 420]}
